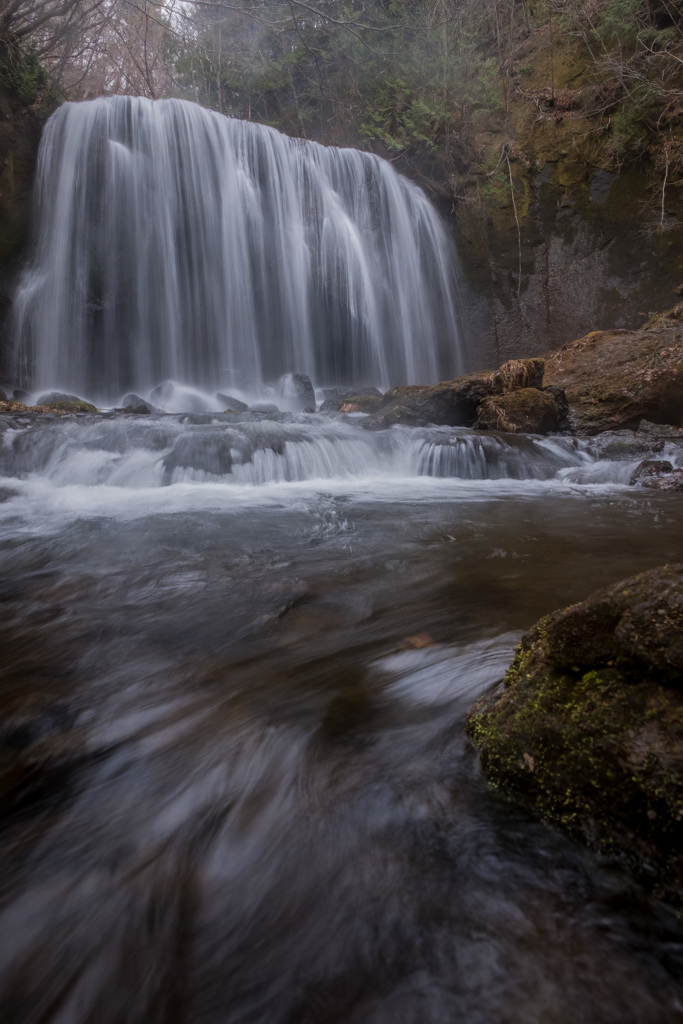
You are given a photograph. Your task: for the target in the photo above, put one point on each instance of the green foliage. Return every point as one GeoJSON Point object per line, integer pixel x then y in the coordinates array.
{"type": "Point", "coordinates": [22, 73]}
{"type": "Point", "coordinates": [629, 136]}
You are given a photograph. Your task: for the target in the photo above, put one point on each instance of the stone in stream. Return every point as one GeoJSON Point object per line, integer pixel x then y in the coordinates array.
{"type": "Point", "coordinates": [454, 403]}
{"type": "Point", "coordinates": [61, 402]}
{"type": "Point", "coordinates": [588, 731]}
{"type": "Point", "coordinates": [527, 411]}
{"type": "Point", "coordinates": [162, 393]}
{"type": "Point", "coordinates": [264, 407]}
{"type": "Point", "coordinates": [649, 468]}
{"type": "Point", "coordinates": [361, 403]}
{"type": "Point", "coordinates": [132, 403]}
{"type": "Point", "coordinates": [297, 391]}
{"type": "Point", "coordinates": [231, 404]}
{"type": "Point", "coordinates": [666, 482]}
{"type": "Point", "coordinates": [333, 397]}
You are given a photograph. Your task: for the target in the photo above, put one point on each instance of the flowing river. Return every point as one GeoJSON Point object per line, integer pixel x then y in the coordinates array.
{"type": "Point", "coordinates": [234, 785]}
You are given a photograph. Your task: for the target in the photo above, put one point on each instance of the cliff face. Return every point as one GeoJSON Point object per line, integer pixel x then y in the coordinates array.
{"type": "Point", "coordinates": [589, 210]}
{"type": "Point", "coordinates": [594, 254]}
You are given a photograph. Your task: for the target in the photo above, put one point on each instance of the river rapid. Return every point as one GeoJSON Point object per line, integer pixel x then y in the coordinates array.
{"type": "Point", "coordinates": [234, 785]}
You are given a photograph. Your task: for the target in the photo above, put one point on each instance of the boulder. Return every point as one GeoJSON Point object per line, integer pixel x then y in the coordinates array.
{"type": "Point", "coordinates": [615, 379]}
{"type": "Point", "coordinates": [666, 482]}
{"type": "Point", "coordinates": [266, 407]}
{"type": "Point", "coordinates": [660, 430]}
{"type": "Point", "coordinates": [588, 730]}
{"type": "Point", "coordinates": [361, 403]}
{"type": "Point", "coordinates": [454, 403]}
{"type": "Point", "coordinates": [231, 404]}
{"type": "Point", "coordinates": [19, 395]}
{"type": "Point", "coordinates": [450, 403]}
{"type": "Point", "coordinates": [58, 401]}
{"type": "Point", "coordinates": [132, 403]}
{"type": "Point", "coordinates": [3, 396]}
{"type": "Point", "coordinates": [162, 393]}
{"type": "Point", "coordinates": [333, 397]}
{"type": "Point", "coordinates": [298, 392]}
{"type": "Point", "coordinates": [527, 411]}
{"type": "Point", "coordinates": [649, 468]}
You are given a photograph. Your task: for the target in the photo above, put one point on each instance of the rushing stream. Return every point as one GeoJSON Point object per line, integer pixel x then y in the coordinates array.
{"type": "Point", "coordinates": [238, 652]}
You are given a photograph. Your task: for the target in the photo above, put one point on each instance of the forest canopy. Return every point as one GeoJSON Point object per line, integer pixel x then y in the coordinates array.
{"type": "Point", "coordinates": [431, 84]}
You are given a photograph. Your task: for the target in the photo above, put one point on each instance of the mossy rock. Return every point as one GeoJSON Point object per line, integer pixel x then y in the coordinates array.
{"type": "Point", "coordinates": [527, 411]}
{"type": "Point", "coordinates": [588, 731]}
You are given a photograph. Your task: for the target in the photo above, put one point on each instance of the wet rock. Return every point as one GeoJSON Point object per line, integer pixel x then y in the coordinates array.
{"type": "Point", "coordinates": [527, 411]}
{"type": "Point", "coordinates": [361, 403]}
{"type": "Point", "coordinates": [454, 403]}
{"type": "Point", "coordinates": [231, 404]}
{"type": "Point", "coordinates": [669, 482]}
{"type": "Point", "coordinates": [649, 468]}
{"type": "Point", "coordinates": [562, 405]}
{"type": "Point", "coordinates": [20, 396]}
{"type": "Point", "coordinates": [298, 391]}
{"type": "Point", "coordinates": [204, 453]}
{"type": "Point", "coordinates": [134, 404]}
{"type": "Point", "coordinates": [333, 397]}
{"type": "Point", "coordinates": [657, 430]}
{"type": "Point", "coordinates": [625, 444]}
{"type": "Point", "coordinates": [58, 401]}
{"type": "Point", "coordinates": [162, 393]}
{"type": "Point", "coordinates": [266, 407]}
{"type": "Point", "coordinates": [3, 396]}
{"type": "Point", "coordinates": [615, 379]}
{"type": "Point", "coordinates": [450, 403]}
{"type": "Point", "coordinates": [588, 731]}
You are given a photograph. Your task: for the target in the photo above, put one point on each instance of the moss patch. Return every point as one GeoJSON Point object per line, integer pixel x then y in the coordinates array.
{"type": "Point", "coordinates": [589, 729]}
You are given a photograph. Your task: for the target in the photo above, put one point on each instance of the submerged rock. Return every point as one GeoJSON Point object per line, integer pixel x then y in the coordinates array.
{"type": "Point", "coordinates": [615, 379]}
{"type": "Point", "coordinates": [588, 731]}
{"type": "Point", "coordinates": [527, 411]}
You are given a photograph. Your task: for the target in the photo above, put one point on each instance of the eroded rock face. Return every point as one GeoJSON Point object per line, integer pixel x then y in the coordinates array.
{"type": "Point", "coordinates": [588, 731]}
{"type": "Point", "coordinates": [614, 379]}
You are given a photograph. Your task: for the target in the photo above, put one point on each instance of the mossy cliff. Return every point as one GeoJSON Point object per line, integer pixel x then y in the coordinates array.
{"type": "Point", "coordinates": [570, 223]}
{"type": "Point", "coordinates": [588, 731]}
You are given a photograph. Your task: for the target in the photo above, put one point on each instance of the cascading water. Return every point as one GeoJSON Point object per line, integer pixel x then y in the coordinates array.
{"type": "Point", "coordinates": [174, 242]}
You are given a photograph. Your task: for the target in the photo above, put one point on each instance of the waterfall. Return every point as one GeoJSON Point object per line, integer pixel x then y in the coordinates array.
{"type": "Point", "coordinates": [174, 242]}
